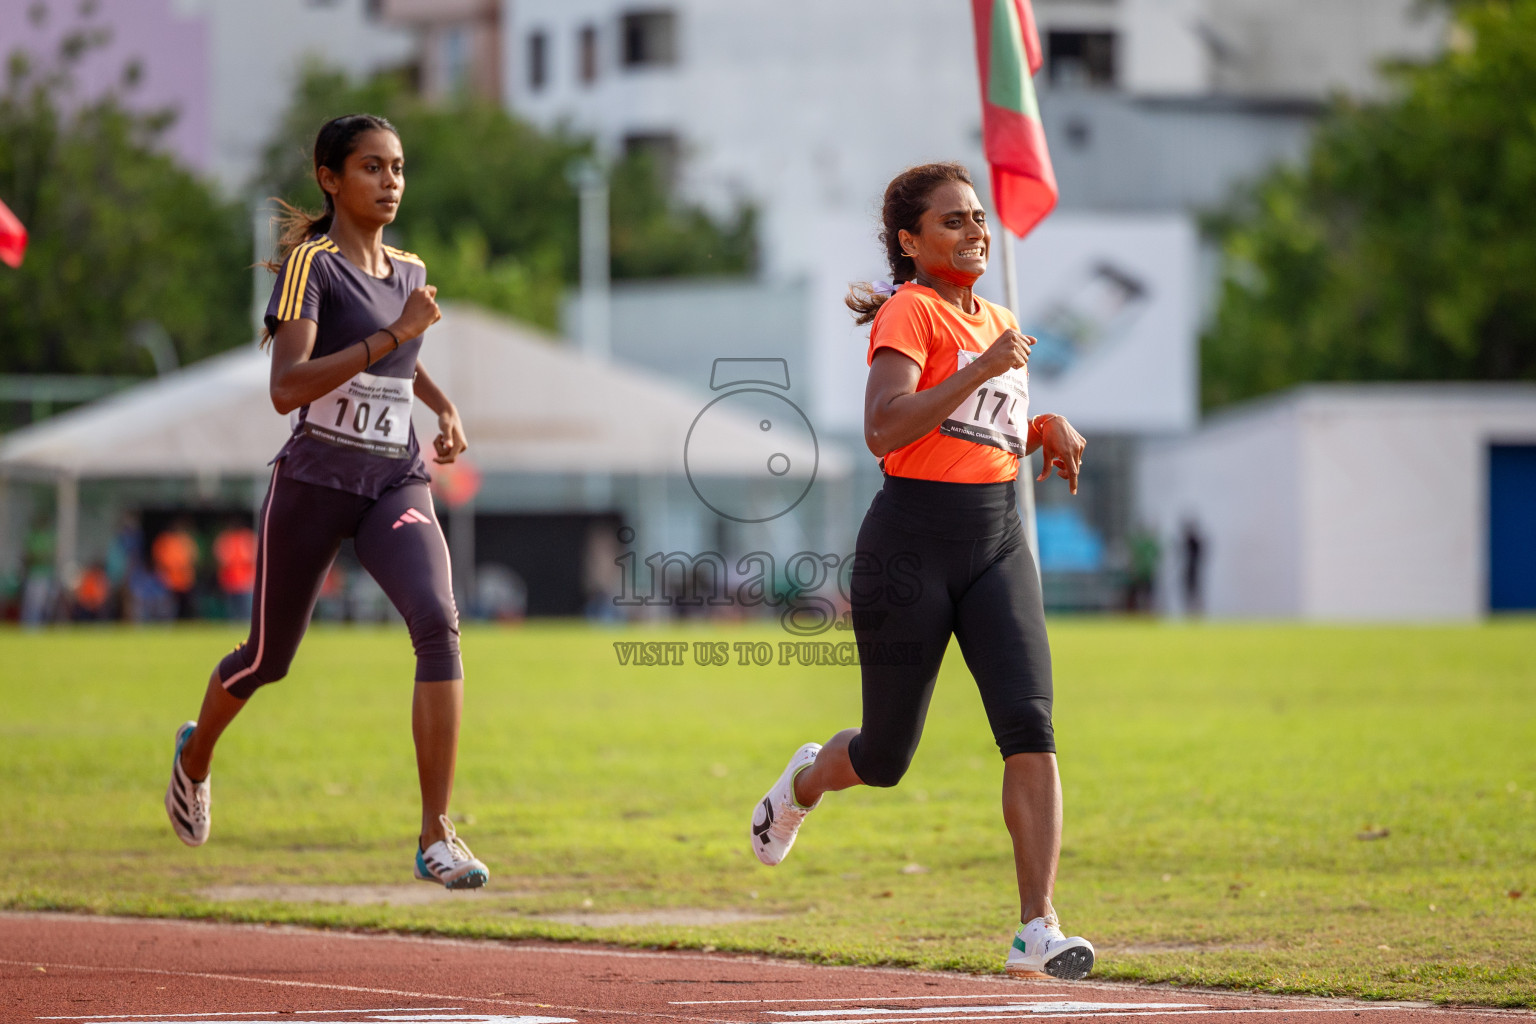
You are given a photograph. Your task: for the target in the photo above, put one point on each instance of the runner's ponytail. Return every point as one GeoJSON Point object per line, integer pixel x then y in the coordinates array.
{"type": "Point", "coordinates": [906, 200]}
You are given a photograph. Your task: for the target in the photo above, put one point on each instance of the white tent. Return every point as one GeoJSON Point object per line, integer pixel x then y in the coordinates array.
{"type": "Point", "coordinates": [529, 404]}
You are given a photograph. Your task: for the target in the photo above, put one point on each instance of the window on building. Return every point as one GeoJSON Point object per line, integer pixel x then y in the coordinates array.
{"type": "Point", "coordinates": [538, 61]}
{"type": "Point", "coordinates": [1080, 58]}
{"type": "Point", "coordinates": [587, 53]}
{"type": "Point", "coordinates": [1078, 133]}
{"type": "Point", "coordinates": [661, 149]}
{"type": "Point", "coordinates": [650, 38]}
{"type": "Point", "coordinates": [455, 59]}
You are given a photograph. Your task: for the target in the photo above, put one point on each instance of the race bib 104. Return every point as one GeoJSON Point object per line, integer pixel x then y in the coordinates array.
{"type": "Point", "coordinates": [996, 413]}
{"type": "Point", "coordinates": [368, 413]}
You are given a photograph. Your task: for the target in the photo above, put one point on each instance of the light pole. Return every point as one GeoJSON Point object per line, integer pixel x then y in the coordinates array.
{"type": "Point", "coordinates": [1027, 462]}
{"type": "Point", "coordinates": [591, 185]}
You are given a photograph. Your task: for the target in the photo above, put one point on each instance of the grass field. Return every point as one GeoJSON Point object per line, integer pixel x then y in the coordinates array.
{"type": "Point", "coordinates": [1218, 780]}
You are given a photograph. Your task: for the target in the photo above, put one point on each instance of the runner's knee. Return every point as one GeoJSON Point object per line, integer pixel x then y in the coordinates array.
{"type": "Point", "coordinates": [1029, 730]}
{"type": "Point", "coordinates": [876, 767]}
{"type": "Point", "coordinates": [243, 672]}
{"type": "Point", "coordinates": [435, 636]}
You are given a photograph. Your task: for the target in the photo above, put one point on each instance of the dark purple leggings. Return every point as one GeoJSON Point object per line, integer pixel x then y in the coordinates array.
{"type": "Point", "coordinates": [399, 542]}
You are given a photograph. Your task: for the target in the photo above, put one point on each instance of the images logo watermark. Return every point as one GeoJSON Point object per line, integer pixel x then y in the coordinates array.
{"type": "Point", "coordinates": [816, 591]}
{"type": "Point", "coordinates": [777, 456]}
{"type": "Point", "coordinates": [720, 653]}
{"type": "Point", "coordinates": [751, 456]}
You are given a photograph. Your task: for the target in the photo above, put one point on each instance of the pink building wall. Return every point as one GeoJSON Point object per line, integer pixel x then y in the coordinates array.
{"type": "Point", "coordinates": [172, 49]}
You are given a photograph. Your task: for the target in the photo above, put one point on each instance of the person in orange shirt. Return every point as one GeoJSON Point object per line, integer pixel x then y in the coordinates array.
{"type": "Point", "coordinates": [175, 556]}
{"type": "Point", "coordinates": [234, 549]}
{"type": "Point", "coordinates": [942, 552]}
{"type": "Point", "coordinates": [92, 593]}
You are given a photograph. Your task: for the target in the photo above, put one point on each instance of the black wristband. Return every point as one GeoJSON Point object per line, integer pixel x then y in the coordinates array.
{"type": "Point", "coordinates": [393, 335]}
{"type": "Point", "coordinates": [369, 350]}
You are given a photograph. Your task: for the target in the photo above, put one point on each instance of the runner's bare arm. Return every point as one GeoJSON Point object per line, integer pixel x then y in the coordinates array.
{"type": "Point", "coordinates": [298, 380]}
{"type": "Point", "coordinates": [450, 440]}
{"type": "Point", "coordinates": [896, 413]}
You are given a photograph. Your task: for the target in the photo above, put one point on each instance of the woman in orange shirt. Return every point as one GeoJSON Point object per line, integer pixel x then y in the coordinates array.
{"type": "Point", "coordinates": [942, 552]}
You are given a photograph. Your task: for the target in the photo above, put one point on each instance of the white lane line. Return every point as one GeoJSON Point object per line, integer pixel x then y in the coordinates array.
{"type": "Point", "coordinates": [968, 1011]}
{"type": "Point", "coordinates": [470, 1018]}
{"type": "Point", "coordinates": [1061, 1007]}
{"type": "Point", "coordinates": [1043, 1015]}
{"type": "Point", "coordinates": [332, 987]}
{"type": "Point", "coordinates": [861, 999]}
{"type": "Point", "coordinates": [244, 1013]}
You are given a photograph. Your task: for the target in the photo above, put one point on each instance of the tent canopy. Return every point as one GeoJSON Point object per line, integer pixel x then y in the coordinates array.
{"type": "Point", "coordinates": [529, 404]}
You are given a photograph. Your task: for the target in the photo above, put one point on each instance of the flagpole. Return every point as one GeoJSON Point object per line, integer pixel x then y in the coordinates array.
{"type": "Point", "coordinates": [1027, 462]}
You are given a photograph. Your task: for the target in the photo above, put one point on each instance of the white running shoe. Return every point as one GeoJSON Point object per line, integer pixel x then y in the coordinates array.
{"type": "Point", "coordinates": [1040, 948]}
{"type": "Point", "coordinates": [449, 861]}
{"type": "Point", "coordinates": [189, 804]}
{"type": "Point", "coordinates": [777, 817]}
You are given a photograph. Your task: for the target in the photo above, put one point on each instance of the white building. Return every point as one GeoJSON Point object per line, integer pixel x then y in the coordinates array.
{"type": "Point", "coordinates": [807, 110]}
{"type": "Point", "coordinates": [1354, 502]}
{"type": "Point", "coordinates": [256, 52]}
{"type": "Point", "coordinates": [810, 107]}
{"type": "Point", "coordinates": [1253, 49]}
{"type": "Point", "coordinates": [458, 44]}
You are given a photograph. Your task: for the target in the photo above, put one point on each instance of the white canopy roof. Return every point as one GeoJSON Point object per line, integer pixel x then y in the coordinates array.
{"type": "Point", "coordinates": [529, 404]}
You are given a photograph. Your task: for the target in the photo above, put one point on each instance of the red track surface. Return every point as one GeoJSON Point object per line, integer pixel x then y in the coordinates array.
{"type": "Point", "coordinates": [96, 970]}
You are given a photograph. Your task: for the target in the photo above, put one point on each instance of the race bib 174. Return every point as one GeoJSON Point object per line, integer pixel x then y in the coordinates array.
{"type": "Point", "coordinates": [368, 413]}
{"type": "Point", "coordinates": [996, 413]}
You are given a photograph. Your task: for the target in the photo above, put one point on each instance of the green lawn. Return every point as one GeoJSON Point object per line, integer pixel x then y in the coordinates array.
{"type": "Point", "coordinates": [1217, 781]}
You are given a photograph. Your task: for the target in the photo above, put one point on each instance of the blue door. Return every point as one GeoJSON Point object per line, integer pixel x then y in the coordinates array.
{"type": "Point", "coordinates": [1511, 526]}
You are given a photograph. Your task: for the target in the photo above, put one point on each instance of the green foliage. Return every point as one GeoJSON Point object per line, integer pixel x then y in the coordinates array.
{"type": "Point", "coordinates": [1405, 248]}
{"type": "Point", "coordinates": [119, 234]}
{"type": "Point", "coordinates": [488, 204]}
{"type": "Point", "coordinates": [652, 237]}
{"type": "Point", "coordinates": [1321, 809]}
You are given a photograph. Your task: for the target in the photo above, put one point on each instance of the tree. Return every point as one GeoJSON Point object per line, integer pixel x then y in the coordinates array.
{"type": "Point", "coordinates": [119, 232]}
{"type": "Point", "coordinates": [488, 204]}
{"type": "Point", "coordinates": [1405, 247]}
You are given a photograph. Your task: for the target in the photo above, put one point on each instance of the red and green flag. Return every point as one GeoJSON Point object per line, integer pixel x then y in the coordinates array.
{"type": "Point", "coordinates": [13, 237]}
{"type": "Point", "coordinates": [1008, 53]}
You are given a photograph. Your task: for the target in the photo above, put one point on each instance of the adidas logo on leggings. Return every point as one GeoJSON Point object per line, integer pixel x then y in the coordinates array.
{"type": "Point", "coordinates": [411, 516]}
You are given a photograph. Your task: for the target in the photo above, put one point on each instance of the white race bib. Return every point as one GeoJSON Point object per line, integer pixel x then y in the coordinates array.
{"type": "Point", "coordinates": [368, 413]}
{"type": "Point", "coordinates": [996, 413]}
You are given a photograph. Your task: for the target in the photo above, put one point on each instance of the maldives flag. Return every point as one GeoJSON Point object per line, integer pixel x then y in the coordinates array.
{"type": "Point", "coordinates": [13, 237]}
{"type": "Point", "coordinates": [1008, 53]}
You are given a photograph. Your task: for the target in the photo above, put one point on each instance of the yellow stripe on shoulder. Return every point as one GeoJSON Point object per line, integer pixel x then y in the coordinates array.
{"type": "Point", "coordinates": [408, 257]}
{"type": "Point", "coordinates": [304, 257]}
{"type": "Point", "coordinates": [296, 278]}
{"type": "Point", "coordinates": [290, 274]}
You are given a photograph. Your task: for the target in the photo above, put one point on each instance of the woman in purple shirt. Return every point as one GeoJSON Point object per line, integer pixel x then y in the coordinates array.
{"type": "Point", "coordinates": [345, 323]}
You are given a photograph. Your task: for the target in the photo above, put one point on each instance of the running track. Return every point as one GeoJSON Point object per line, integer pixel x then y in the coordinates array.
{"type": "Point", "coordinates": [89, 970]}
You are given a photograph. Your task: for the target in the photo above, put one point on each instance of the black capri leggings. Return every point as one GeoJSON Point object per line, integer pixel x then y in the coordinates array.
{"type": "Point", "coordinates": [935, 559]}
{"type": "Point", "coordinates": [398, 541]}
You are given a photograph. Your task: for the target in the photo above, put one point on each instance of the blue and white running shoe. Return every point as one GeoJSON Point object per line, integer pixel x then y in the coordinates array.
{"type": "Point", "coordinates": [189, 804]}
{"type": "Point", "coordinates": [449, 862]}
